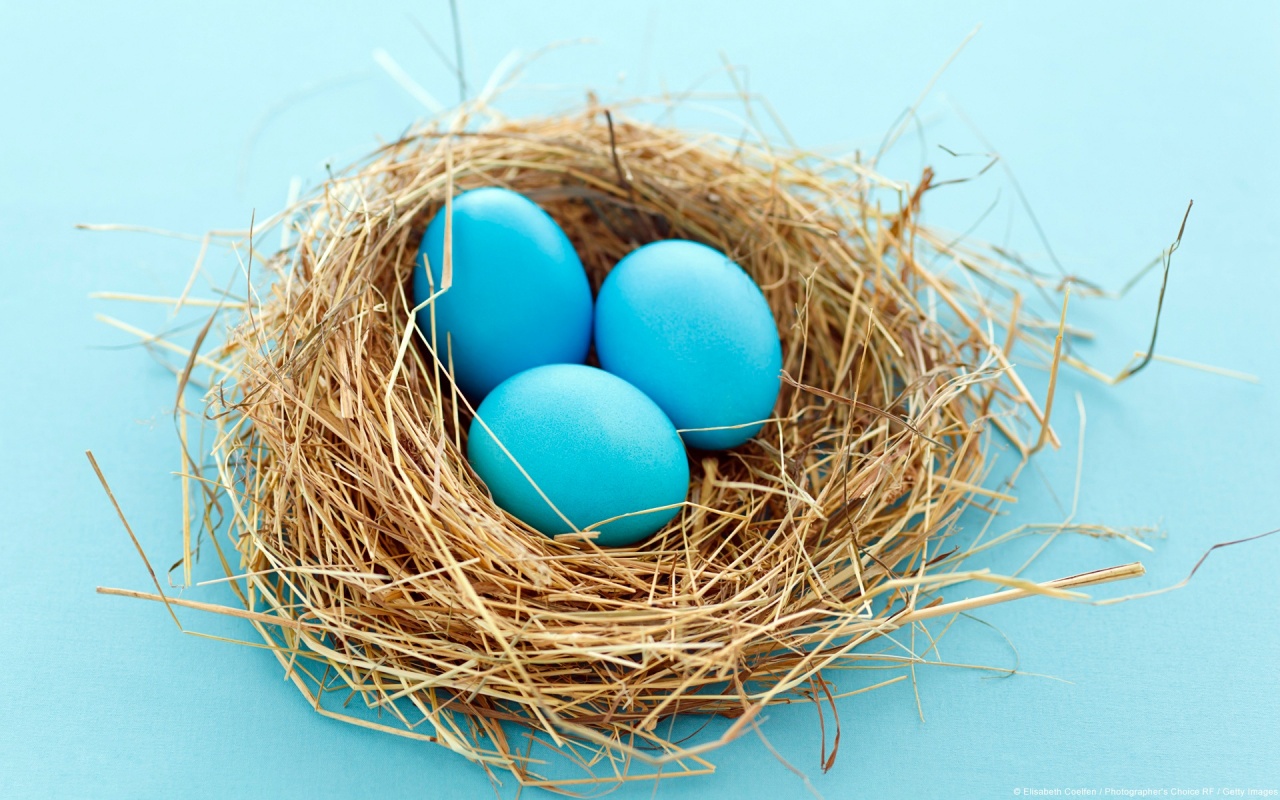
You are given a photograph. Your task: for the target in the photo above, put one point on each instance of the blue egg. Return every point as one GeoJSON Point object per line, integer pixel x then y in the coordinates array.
{"type": "Point", "coordinates": [689, 328]}
{"type": "Point", "coordinates": [593, 443]}
{"type": "Point", "coordinates": [519, 297]}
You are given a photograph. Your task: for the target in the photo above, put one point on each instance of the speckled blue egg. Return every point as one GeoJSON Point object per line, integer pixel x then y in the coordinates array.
{"type": "Point", "coordinates": [519, 297]}
{"type": "Point", "coordinates": [594, 444]}
{"type": "Point", "coordinates": [689, 328]}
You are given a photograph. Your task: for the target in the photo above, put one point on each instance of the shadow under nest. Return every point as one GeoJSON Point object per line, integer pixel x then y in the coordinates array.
{"type": "Point", "coordinates": [377, 567]}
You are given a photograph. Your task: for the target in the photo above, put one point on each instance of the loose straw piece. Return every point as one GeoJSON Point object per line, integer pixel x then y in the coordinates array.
{"type": "Point", "coordinates": [1117, 573]}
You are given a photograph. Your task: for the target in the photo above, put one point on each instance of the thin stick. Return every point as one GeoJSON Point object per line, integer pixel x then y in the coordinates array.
{"type": "Point", "coordinates": [1164, 284]}
{"type": "Point", "coordinates": [213, 608]}
{"type": "Point", "coordinates": [168, 301]}
{"type": "Point", "coordinates": [159, 341]}
{"type": "Point", "coordinates": [106, 487]}
{"type": "Point", "coordinates": [1053, 372]}
{"type": "Point", "coordinates": [1117, 573]}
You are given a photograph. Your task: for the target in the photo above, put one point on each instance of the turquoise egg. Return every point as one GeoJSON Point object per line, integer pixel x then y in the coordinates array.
{"type": "Point", "coordinates": [593, 443]}
{"type": "Point", "coordinates": [519, 296]}
{"type": "Point", "coordinates": [689, 328]}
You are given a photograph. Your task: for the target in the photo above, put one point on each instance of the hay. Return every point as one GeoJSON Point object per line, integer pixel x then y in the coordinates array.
{"type": "Point", "coordinates": [377, 569]}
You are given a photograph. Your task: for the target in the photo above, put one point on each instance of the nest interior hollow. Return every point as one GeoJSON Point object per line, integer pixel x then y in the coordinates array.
{"type": "Point", "coordinates": [395, 578]}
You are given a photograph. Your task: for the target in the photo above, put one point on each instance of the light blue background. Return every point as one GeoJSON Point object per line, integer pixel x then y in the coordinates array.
{"type": "Point", "coordinates": [1112, 115]}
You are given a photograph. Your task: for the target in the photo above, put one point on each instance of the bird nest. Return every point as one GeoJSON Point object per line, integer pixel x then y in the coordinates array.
{"type": "Point", "coordinates": [398, 596]}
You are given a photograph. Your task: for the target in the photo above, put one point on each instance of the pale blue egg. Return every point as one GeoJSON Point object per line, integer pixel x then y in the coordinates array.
{"type": "Point", "coordinates": [595, 445]}
{"type": "Point", "coordinates": [519, 297]}
{"type": "Point", "coordinates": [689, 328]}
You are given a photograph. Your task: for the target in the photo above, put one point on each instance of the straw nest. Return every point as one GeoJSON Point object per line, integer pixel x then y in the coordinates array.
{"type": "Point", "coordinates": [380, 572]}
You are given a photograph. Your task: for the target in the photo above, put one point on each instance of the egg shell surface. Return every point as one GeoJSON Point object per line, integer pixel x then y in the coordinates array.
{"type": "Point", "coordinates": [519, 296]}
{"type": "Point", "coordinates": [594, 444]}
{"type": "Point", "coordinates": [691, 329]}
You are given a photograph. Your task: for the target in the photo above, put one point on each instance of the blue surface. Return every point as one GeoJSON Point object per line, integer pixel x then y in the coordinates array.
{"type": "Point", "coordinates": [691, 329]}
{"type": "Point", "coordinates": [518, 297]}
{"type": "Point", "coordinates": [1111, 116]}
{"type": "Point", "coordinates": [594, 445]}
